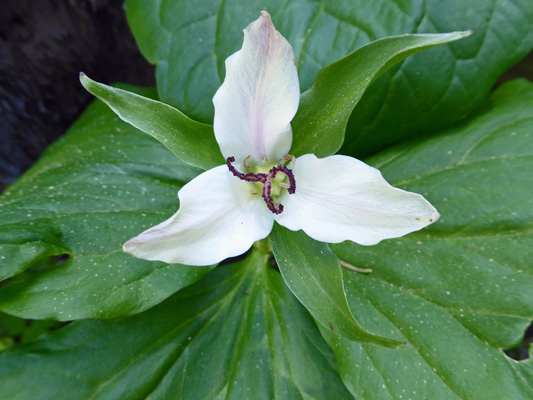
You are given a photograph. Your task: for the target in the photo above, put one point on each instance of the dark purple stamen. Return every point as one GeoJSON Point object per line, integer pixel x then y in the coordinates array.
{"type": "Point", "coordinates": [266, 180]}
{"type": "Point", "coordinates": [245, 177]}
{"type": "Point", "coordinates": [288, 173]}
{"type": "Point", "coordinates": [267, 188]}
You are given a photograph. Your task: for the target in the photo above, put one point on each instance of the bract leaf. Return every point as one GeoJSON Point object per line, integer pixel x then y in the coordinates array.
{"type": "Point", "coordinates": [91, 191]}
{"type": "Point", "coordinates": [239, 333]}
{"type": "Point", "coordinates": [313, 274]}
{"type": "Point", "coordinates": [192, 142]}
{"type": "Point", "coordinates": [326, 107]}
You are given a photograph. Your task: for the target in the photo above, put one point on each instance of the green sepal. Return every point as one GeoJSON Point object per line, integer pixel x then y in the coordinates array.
{"type": "Point", "coordinates": [325, 108]}
{"type": "Point", "coordinates": [313, 274]}
{"type": "Point", "coordinates": [191, 141]}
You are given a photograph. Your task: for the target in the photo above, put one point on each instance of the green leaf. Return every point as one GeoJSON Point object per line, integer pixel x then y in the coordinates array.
{"type": "Point", "coordinates": [460, 290]}
{"type": "Point", "coordinates": [237, 334]}
{"type": "Point", "coordinates": [189, 41]}
{"type": "Point", "coordinates": [324, 109]}
{"type": "Point", "coordinates": [434, 89]}
{"type": "Point", "coordinates": [192, 142]}
{"type": "Point", "coordinates": [92, 190]}
{"type": "Point", "coordinates": [313, 273]}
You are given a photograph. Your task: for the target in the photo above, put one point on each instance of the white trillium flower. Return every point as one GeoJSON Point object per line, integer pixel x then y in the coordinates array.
{"type": "Point", "coordinates": [223, 211]}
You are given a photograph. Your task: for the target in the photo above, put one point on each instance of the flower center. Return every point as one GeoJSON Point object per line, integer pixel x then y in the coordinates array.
{"type": "Point", "coordinates": [267, 179]}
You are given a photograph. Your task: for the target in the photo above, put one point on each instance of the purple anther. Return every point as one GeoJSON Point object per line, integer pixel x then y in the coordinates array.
{"type": "Point", "coordinates": [245, 177]}
{"type": "Point", "coordinates": [284, 170]}
{"type": "Point", "coordinates": [266, 180]}
{"type": "Point", "coordinates": [267, 188]}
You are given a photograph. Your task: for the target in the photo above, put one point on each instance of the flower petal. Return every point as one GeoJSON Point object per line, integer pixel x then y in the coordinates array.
{"type": "Point", "coordinates": [218, 218]}
{"type": "Point", "coordinates": [259, 97]}
{"type": "Point", "coordinates": [340, 198]}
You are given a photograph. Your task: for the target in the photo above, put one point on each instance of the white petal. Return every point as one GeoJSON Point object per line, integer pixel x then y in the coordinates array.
{"type": "Point", "coordinates": [340, 198]}
{"type": "Point", "coordinates": [218, 218]}
{"type": "Point", "coordinates": [259, 97]}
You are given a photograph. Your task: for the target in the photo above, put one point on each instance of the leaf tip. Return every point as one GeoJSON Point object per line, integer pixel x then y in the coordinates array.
{"type": "Point", "coordinates": [462, 34]}
{"type": "Point", "coordinates": [84, 80]}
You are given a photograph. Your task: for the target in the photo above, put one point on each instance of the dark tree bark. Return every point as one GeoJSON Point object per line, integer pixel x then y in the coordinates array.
{"type": "Point", "coordinates": [44, 44]}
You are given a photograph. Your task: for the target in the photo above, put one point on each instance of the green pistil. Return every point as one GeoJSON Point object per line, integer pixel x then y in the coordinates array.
{"type": "Point", "coordinates": [271, 182]}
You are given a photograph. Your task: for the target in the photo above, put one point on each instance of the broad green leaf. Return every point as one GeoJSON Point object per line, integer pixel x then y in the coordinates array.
{"type": "Point", "coordinates": [526, 367]}
{"type": "Point", "coordinates": [324, 109]}
{"type": "Point", "coordinates": [192, 142]}
{"type": "Point", "coordinates": [189, 41]}
{"type": "Point", "coordinates": [434, 89]}
{"type": "Point", "coordinates": [313, 274]}
{"type": "Point", "coordinates": [237, 334]}
{"type": "Point", "coordinates": [95, 188]}
{"type": "Point", "coordinates": [460, 290]}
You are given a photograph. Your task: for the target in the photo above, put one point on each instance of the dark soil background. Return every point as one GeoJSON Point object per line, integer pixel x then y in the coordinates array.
{"type": "Point", "coordinates": [44, 44]}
